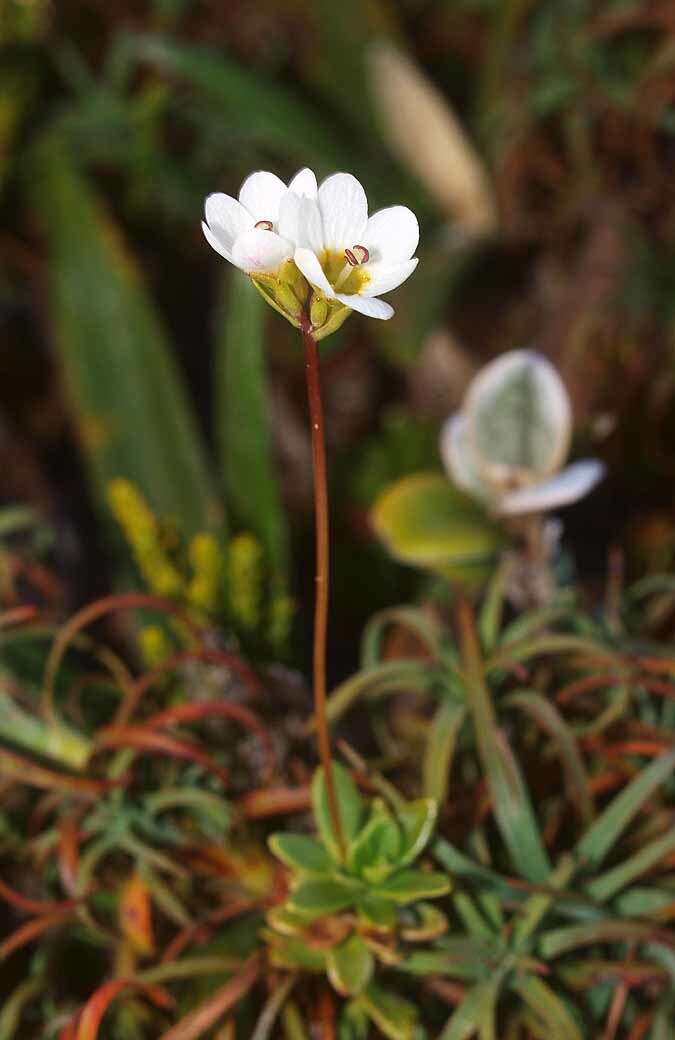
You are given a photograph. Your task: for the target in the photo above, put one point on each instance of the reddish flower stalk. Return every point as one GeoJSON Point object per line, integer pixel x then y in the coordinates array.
{"type": "Point", "coordinates": [321, 520]}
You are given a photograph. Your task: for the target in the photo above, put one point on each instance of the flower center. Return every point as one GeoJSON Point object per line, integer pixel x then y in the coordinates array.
{"type": "Point", "coordinates": [265, 225]}
{"type": "Point", "coordinates": [355, 257]}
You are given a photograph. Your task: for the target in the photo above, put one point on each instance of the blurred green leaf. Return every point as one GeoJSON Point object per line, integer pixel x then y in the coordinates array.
{"type": "Point", "coordinates": [608, 827]}
{"type": "Point", "coordinates": [350, 966]}
{"type": "Point", "coordinates": [424, 521]}
{"type": "Point", "coordinates": [131, 410]}
{"type": "Point", "coordinates": [510, 798]}
{"type": "Point", "coordinates": [314, 898]}
{"type": "Point", "coordinates": [548, 1007]}
{"type": "Point", "coordinates": [393, 1016]}
{"type": "Point", "coordinates": [407, 886]}
{"type": "Point", "coordinates": [440, 748]}
{"type": "Point", "coordinates": [476, 1013]}
{"type": "Point", "coordinates": [350, 806]}
{"type": "Point", "coordinates": [261, 109]}
{"type": "Point", "coordinates": [242, 426]}
{"type": "Point", "coordinates": [301, 853]}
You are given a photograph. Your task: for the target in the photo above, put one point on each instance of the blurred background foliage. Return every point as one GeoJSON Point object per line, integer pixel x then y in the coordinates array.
{"type": "Point", "coordinates": [534, 140]}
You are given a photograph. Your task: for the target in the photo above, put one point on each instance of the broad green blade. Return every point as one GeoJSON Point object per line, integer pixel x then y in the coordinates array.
{"type": "Point", "coordinates": [130, 408]}
{"type": "Point", "coordinates": [242, 427]}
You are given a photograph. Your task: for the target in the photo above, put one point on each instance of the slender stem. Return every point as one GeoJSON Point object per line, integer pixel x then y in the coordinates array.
{"type": "Point", "coordinates": [321, 521]}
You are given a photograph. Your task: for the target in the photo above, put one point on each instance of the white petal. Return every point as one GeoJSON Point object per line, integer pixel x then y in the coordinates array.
{"type": "Point", "coordinates": [566, 487]}
{"type": "Point", "coordinates": [370, 306]}
{"type": "Point", "coordinates": [300, 222]}
{"type": "Point", "coordinates": [308, 263]}
{"type": "Point", "coordinates": [519, 414]}
{"type": "Point", "coordinates": [385, 277]}
{"type": "Point", "coordinates": [227, 218]}
{"type": "Point", "coordinates": [392, 234]}
{"type": "Point", "coordinates": [217, 242]}
{"type": "Point", "coordinates": [304, 183]}
{"type": "Point", "coordinates": [344, 209]}
{"type": "Point", "coordinates": [258, 250]}
{"type": "Point", "coordinates": [261, 194]}
{"type": "Point", "coordinates": [456, 456]}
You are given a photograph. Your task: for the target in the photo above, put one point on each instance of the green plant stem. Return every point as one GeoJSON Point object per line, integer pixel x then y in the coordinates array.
{"type": "Point", "coordinates": [321, 520]}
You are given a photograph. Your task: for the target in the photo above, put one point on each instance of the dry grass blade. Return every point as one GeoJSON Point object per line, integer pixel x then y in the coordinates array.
{"type": "Point", "coordinates": [424, 131]}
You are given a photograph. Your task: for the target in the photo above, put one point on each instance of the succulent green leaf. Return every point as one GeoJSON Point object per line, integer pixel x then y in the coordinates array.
{"type": "Point", "coordinates": [350, 966]}
{"type": "Point", "coordinates": [300, 853]}
{"type": "Point", "coordinates": [395, 1017]}
{"type": "Point", "coordinates": [377, 911]}
{"type": "Point", "coordinates": [406, 886]}
{"type": "Point", "coordinates": [317, 897]}
{"type": "Point", "coordinates": [417, 820]}
{"type": "Point", "coordinates": [376, 849]}
{"type": "Point", "coordinates": [424, 521]}
{"type": "Point", "coordinates": [353, 1024]}
{"type": "Point", "coordinates": [350, 805]}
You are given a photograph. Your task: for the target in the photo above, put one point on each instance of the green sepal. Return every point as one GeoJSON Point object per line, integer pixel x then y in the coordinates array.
{"type": "Point", "coordinates": [302, 854]}
{"type": "Point", "coordinates": [315, 898]}
{"type": "Point", "coordinates": [350, 807]}
{"type": "Point", "coordinates": [407, 886]}
{"type": "Point", "coordinates": [395, 1017]}
{"type": "Point", "coordinates": [350, 966]}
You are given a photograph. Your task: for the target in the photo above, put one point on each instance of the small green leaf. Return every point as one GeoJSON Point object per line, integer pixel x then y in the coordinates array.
{"type": "Point", "coordinates": [424, 521]}
{"type": "Point", "coordinates": [406, 886]}
{"type": "Point", "coordinates": [350, 966]}
{"type": "Point", "coordinates": [377, 911]}
{"type": "Point", "coordinates": [391, 1014]}
{"type": "Point", "coordinates": [301, 853]}
{"type": "Point", "coordinates": [315, 898]}
{"type": "Point", "coordinates": [476, 1013]}
{"type": "Point", "coordinates": [440, 747]}
{"type": "Point", "coordinates": [375, 851]}
{"type": "Point", "coordinates": [350, 806]}
{"type": "Point", "coordinates": [417, 820]}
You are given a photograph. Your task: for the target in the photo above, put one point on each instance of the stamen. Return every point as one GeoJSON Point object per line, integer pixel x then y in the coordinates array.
{"type": "Point", "coordinates": [265, 225]}
{"type": "Point", "coordinates": [356, 256]}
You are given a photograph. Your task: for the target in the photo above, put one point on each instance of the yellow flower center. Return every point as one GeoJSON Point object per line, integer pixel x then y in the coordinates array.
{"type": "Point", "coordinates": [345, 270]}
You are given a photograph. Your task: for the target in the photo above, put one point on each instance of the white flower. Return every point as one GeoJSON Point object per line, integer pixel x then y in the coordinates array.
{"type": "Point", "coordinates": [348, 257]}
{"type": "Point", "coordinates": [246, 231]}
{"type": "Point", "coordinates": [345, 254]}
{"type": "Point", "coordinates": [507, 444]}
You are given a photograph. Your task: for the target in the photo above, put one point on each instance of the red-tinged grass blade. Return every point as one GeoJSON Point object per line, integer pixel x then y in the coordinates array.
{"type": "Point", "coordinates": [90, 1017]}
{"type": "Point", "coordinates": [18, 616]}
{"type": "Point", "coordinates": [34, 906]}
{"type": "Point", "coordinates": [30, 774]}
{"type": "Point", "coordinates": [608, 827]}
{"type": "Point", "coordinates": [206, 655]}
{"type": "Point", "coordinates": [275, 801]}
{"type": "Point", "coordinates": [205, 1016]}
{"type": "Point", "coordinates": [69, 853]}
{"type": "Point", "coordinates": [200, 932]}
{"type": "Point", "coordinates": [551, 721]}
{"type": "Point", "coordinates": [134, 915]}
{"type": "Point", "coordinates": [93, 612]}
{"type": "Point", "coordinates": [29, 931]}
{"type": "Point", "coordinates": [219, 709]}
{"type": "Point", "coordinates": [143, 739]}
{"type": "Point", "coordinates": [510, 799]}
